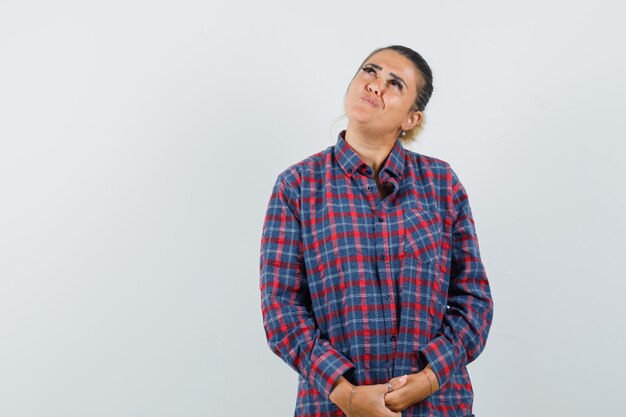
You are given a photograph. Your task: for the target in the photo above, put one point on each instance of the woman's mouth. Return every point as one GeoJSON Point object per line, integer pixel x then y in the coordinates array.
{"type": "Point", "coordinates": [369, 101]}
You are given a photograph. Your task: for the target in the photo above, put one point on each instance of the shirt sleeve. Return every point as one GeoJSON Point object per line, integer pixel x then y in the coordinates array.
{"type": "Point", "coordinates": [469, 311]}
{"type": "Point", "coordinates": [290, 326]}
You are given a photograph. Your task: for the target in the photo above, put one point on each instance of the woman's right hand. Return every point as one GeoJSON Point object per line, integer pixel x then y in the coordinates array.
{"type": "Point", "coordinates": [369, 401]}
{"type": "Point", "coordinates": [364, 400]}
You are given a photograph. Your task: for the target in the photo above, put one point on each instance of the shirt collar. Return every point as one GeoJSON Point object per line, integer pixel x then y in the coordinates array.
{"type": "Point", "coordinates": [351, 162]}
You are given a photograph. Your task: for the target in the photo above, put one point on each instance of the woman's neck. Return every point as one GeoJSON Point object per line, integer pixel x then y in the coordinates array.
{"type": "Point", "coordinates": [372, 148]}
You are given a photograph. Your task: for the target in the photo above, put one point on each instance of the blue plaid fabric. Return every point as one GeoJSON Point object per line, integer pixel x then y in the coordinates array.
{"type": "Point", "coordinates": [370, 288]}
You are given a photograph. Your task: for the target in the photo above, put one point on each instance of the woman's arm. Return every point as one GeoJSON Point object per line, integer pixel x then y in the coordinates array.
{"type": "Point", "coordinates": [469, 310]}
{"type": "Point", "coordinates": [290, 326]}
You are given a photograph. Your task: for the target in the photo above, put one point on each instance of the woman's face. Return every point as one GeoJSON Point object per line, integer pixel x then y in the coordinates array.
{"type": "Point", "coordinates": [382, 93]}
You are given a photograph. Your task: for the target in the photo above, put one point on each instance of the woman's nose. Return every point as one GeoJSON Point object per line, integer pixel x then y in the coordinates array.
{"type": "Point", "coordinates": [374, 87]}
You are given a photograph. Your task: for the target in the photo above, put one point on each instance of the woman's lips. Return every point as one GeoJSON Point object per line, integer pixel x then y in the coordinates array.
{"type": "Point", "coordinates": [369, 101]}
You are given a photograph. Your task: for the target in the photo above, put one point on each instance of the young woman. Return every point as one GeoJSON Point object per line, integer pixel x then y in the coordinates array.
{"type": "Point", "coordinates": [372, 285]}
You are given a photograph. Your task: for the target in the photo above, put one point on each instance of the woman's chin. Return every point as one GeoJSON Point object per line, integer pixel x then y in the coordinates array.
{"type": "Point", "coordinates": [360, 116]}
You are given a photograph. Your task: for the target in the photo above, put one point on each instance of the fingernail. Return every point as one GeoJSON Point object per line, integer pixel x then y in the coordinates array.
{"type": "Point", "coordinates": [403, 378]}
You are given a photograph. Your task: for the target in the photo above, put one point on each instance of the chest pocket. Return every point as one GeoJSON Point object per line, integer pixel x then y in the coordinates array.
{"type": "Point", "coordinates": [423, 234]}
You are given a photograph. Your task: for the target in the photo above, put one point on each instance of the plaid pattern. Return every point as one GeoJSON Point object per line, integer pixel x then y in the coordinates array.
{"type": "Point", "coordinates": [373, 289]}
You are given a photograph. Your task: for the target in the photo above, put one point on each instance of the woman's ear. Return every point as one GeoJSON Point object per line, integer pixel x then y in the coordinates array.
{"type": "Point", "coordinates": [414, 118]}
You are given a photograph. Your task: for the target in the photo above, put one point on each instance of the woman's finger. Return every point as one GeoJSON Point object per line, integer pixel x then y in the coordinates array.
{"type": "Point", "coordinates": [397, 383]}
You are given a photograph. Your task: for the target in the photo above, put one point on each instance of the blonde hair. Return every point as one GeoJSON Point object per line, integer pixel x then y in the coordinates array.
{"type": "Point", "coordinates": [412, 134]}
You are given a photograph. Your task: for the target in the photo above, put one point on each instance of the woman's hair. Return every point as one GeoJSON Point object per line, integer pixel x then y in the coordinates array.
{"type": "Point", "coordinates": [424, 91]}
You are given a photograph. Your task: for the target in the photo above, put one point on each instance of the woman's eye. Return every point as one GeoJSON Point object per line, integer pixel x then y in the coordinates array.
{"type": "Point", "coordinates": [369, 70]}
{"type": "Point", "coordinates": [396, 83]}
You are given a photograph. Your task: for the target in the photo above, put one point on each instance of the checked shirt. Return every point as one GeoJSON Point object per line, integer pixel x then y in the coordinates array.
{"type": "Point", "coordinates": [370, 288]}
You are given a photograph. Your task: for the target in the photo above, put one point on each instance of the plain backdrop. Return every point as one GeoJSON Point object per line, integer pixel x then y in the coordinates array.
{"type": "Point", "coordinates": [139, 142]}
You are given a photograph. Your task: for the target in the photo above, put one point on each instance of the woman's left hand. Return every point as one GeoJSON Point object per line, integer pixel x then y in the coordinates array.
{"type": "Point", "coordinates": [416, 388]}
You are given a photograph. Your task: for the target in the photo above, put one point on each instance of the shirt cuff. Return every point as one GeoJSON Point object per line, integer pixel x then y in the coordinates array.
{"type": "Point", "coordinates": [443, 357]}
{"type": "Point", "coordinates": [326, 369]}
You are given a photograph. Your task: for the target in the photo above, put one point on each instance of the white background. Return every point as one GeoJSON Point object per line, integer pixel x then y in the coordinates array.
{"type": "Point", "coordinates": [139, 141]}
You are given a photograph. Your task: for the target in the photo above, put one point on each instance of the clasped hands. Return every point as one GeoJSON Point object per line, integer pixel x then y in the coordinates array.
{"type": "Point", "coordinates": [376, 401]}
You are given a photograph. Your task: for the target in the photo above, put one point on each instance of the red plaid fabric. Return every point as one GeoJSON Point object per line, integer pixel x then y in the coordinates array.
{"type": "Point", "coordinates": [372, 289]}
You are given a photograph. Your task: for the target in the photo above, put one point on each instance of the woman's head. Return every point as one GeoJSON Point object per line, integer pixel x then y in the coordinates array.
{"type": "Point", "coordinates": [390, 91]}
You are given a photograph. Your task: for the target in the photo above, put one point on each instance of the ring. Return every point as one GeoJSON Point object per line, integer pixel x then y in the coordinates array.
{"type": "Point", "coordinates": [389, 389]}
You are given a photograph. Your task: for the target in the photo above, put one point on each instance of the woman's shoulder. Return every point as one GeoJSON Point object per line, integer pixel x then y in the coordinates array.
{"type": "Point", "coordinates": [305, 169]}
{"type": "Point", "coordinates": [428, 162]}
{"type": "Point", "coordinates": [439, 171]}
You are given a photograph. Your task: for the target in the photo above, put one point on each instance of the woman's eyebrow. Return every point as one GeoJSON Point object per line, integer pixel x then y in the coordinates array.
{"type": "Point", "coordinates": [391, 74]}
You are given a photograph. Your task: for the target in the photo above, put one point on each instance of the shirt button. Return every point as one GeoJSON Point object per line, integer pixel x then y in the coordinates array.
{"type": "Point", "coordinates": [380, 219]}
{"type": "Point", "coordinates": [382, 257]}
{"type": "Point", "coordinates": [388, 296]}
{"type": "Point", "coordinates": [349, 170]}
{"type": "Point", "coordinates": [392, 338]}
{"type": "Point", "coordinates": [369, 188]}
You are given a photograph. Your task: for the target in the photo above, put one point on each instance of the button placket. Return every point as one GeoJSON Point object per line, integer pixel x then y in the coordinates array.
{"type": "Point", "coordinates": [387, 290]}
